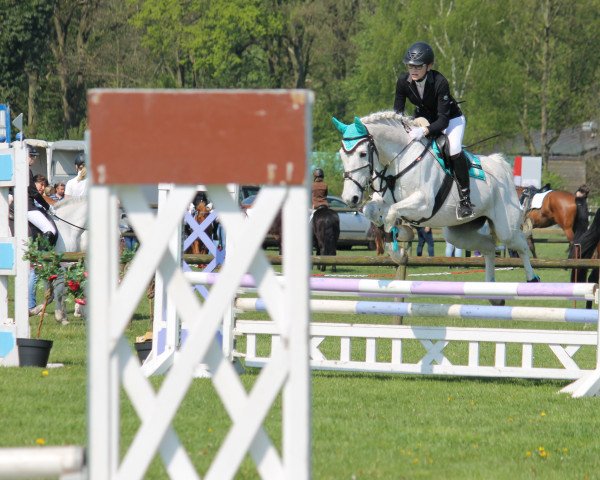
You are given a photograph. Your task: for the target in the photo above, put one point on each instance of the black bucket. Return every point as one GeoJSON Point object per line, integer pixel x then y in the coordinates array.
{"type": "Point", "coordinates": [143, 349]}
{"type": "Point", "coordinates": [33, 352]}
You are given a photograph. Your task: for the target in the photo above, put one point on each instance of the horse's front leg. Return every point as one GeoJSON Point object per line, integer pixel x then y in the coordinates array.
{"type": "Point", "coordinates": [413, 207]}
{"type": "Point", "coordinates": [376, 210]}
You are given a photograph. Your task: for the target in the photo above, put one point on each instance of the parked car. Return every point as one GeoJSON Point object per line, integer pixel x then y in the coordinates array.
{"type": "Point", "coordinates": [355, 229]}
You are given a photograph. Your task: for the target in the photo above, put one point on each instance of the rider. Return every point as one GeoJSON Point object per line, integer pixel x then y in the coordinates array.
{"type": "Point", "coordinates": [429, 91]}
{"type": "Point", "coordinates": [38, 216]}
{"type": "Point", "coordinates": [77, 186]}
{"type": "Point", "coordinates": [319, 190]}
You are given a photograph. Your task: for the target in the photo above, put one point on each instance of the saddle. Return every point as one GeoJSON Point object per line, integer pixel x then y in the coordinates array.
{"type": "Point", "coordinates": [444, 148]}
{"type": "Point", "coordinates": [529, 192]}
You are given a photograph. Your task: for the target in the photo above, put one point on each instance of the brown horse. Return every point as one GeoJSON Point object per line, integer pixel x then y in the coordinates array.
{"type": "Point", "coordinates": [197, 247]}
{"type": "Point", "coordinates": [558, 208]}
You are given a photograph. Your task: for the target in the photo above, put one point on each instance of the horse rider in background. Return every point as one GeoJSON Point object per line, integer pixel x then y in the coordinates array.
{"type": "Point", "coordinates": [38, 216]}
{"type": "Point", "coordinates": [429, 91]}
{"type": "Point", "coordinates": [319, 190]}
{"type": "Point", "coordinates": [77, 186]}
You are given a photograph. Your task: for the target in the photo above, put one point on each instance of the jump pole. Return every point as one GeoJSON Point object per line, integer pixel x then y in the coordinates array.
{"type": "Point", "coordinates": [256, 137]}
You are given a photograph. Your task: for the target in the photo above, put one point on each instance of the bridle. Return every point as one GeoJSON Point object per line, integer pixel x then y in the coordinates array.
{"type": "Point", "coordinates": [386, 182]}
{"type": "Point", "coordinates": [371, 149]}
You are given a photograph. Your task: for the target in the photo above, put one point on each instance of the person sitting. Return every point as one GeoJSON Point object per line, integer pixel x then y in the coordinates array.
{"type": "Point", "coordinates": [429, 91]}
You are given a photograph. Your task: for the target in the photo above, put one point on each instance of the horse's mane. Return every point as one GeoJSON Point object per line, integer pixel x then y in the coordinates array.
{"type": "Point", "coordinates": [388, 117]}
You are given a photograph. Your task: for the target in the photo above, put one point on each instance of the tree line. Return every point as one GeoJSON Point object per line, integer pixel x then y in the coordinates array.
{"type": "Point", "coordinates": [517, 66]}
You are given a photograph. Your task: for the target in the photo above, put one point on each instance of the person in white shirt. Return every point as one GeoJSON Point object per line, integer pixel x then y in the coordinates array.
{"type": "Point", "coordinates": [77, 187]}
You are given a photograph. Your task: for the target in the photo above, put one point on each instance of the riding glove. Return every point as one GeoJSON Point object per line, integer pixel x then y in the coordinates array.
{"type": "Point", "coordinates": [416, 133]}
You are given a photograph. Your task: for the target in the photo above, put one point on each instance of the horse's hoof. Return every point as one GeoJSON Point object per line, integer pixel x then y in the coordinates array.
{"type": "Point", "coordinates": [535, 279]}
{"type": "Point", "coordinates": [498, 303]}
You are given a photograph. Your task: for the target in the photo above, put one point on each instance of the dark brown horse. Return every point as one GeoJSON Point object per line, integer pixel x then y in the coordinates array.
{"type": "Point", "coordinates": [326, 232]}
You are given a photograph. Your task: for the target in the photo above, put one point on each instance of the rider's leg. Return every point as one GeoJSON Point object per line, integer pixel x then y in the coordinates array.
{"type": "Point", "coordinates": [37, 218]}
{"type": "Point", "coordinates": [455, 133]}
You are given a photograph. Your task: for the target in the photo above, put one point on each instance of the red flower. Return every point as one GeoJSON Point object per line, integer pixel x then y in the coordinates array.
{"type": "Point", "coordinates": [73, 285]}
{"type": "Point", "coordinates": [52, 277]}
{"type": "Point", "coordinates": [85, 274]}
{"type": "Point", "coordinates": [80, 301]}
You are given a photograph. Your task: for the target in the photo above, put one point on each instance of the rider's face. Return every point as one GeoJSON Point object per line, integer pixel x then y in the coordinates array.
{"type": "Point", "coordinates": [417, 72]}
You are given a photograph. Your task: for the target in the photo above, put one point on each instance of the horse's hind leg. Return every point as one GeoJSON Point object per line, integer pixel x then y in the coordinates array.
{"type": "Point", "coordinates": [518, 243]}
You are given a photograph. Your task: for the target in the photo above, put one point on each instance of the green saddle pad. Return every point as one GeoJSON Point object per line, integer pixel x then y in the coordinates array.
{"type": "Point", "coordinates": [475, 171]}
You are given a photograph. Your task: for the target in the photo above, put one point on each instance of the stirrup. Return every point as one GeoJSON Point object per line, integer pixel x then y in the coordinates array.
{"type": "Point", "coordinates": [464, 210]}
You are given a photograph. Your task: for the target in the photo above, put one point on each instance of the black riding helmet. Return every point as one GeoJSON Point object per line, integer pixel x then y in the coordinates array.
{"type": "Point", "coordinates": [318, 173]}
{"type": "Point", "coordinates": [419, 53]}
{"type": "Point", "coordinates": [80, 159]}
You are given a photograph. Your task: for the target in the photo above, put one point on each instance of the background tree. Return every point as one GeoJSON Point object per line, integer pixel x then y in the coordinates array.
{"type": "Point", "coordinates": [24, 32]}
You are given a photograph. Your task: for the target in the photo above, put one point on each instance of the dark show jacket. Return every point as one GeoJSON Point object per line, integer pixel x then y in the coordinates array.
{"type": "Point", "coordinates": [437, 105]}
{"type": "Point", "coordinates": [319, 194]}
{"type": "Point", "coordinates": [33, 194]}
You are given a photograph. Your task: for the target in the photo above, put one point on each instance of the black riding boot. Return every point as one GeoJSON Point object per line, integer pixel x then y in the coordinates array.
{"type": "Point", "coordinates": [461, 172]}
{"type": "Point", "coordinates": [51, 237]}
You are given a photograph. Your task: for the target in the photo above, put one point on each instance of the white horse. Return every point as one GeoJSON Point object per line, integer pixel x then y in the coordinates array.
{"type": "Point", "coordinates": [70, 217]}
{"type": "Point", "coordinates": [410, 185]}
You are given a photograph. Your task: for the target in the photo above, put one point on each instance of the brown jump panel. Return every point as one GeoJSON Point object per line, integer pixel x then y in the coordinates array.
{"type": "Point", "coordinates": [199, 136]}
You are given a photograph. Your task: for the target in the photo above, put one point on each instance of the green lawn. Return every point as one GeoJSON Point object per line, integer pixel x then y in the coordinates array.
{"type": "Point", "coordinates": [364, 426]}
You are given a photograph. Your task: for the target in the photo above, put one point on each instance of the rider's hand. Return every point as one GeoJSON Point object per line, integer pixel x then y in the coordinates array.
{"type": "Point", "coordinates": [417, 133]}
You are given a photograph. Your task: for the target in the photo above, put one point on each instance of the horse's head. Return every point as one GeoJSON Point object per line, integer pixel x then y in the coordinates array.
{"type": "Point", "coordinates": [357, 154]}
{"type": "Point", "coordinates": [368, 146]}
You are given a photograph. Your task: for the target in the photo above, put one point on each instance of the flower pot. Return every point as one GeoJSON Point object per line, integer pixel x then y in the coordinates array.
{"type": "Point", "coordinates": [33, 352]}
{"type": "Point", "coordinates": [143, 349]}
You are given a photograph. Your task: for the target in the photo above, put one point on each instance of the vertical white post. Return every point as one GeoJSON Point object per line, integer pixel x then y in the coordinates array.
{"type": "Point", "coordinates": [20, 234]}
{"type": "Point", "coordinates": [103, 267]}
{"type": "Point", "coordinates": [296, 394]}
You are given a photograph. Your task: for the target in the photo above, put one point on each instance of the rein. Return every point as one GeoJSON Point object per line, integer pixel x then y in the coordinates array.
{"type": "Point", "coordinates": [67, 222]}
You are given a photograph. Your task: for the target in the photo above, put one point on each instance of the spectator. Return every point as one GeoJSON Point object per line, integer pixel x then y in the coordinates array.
{"type": "Point", "coordinates": [425, 236]}
{"type": "Point", "coordinates": [452, 251]}
{"type": "Point", "coordinates": [59, 191]}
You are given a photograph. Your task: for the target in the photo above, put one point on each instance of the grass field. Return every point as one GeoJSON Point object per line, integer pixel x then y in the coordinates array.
{"type": "Point", "coordinates": [364, 426]}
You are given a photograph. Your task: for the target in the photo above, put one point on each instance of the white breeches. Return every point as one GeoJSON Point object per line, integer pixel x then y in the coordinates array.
{"type": "Point", "coordinates": [38, 219]}
{"type": "Point", "coordinates": [455, 133]}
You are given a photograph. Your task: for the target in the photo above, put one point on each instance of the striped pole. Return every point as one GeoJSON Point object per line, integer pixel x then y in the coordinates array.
{"type": "Point", "coordinates": [486, 312]}
{"type": "Point", "coordinates": [493, 290]}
